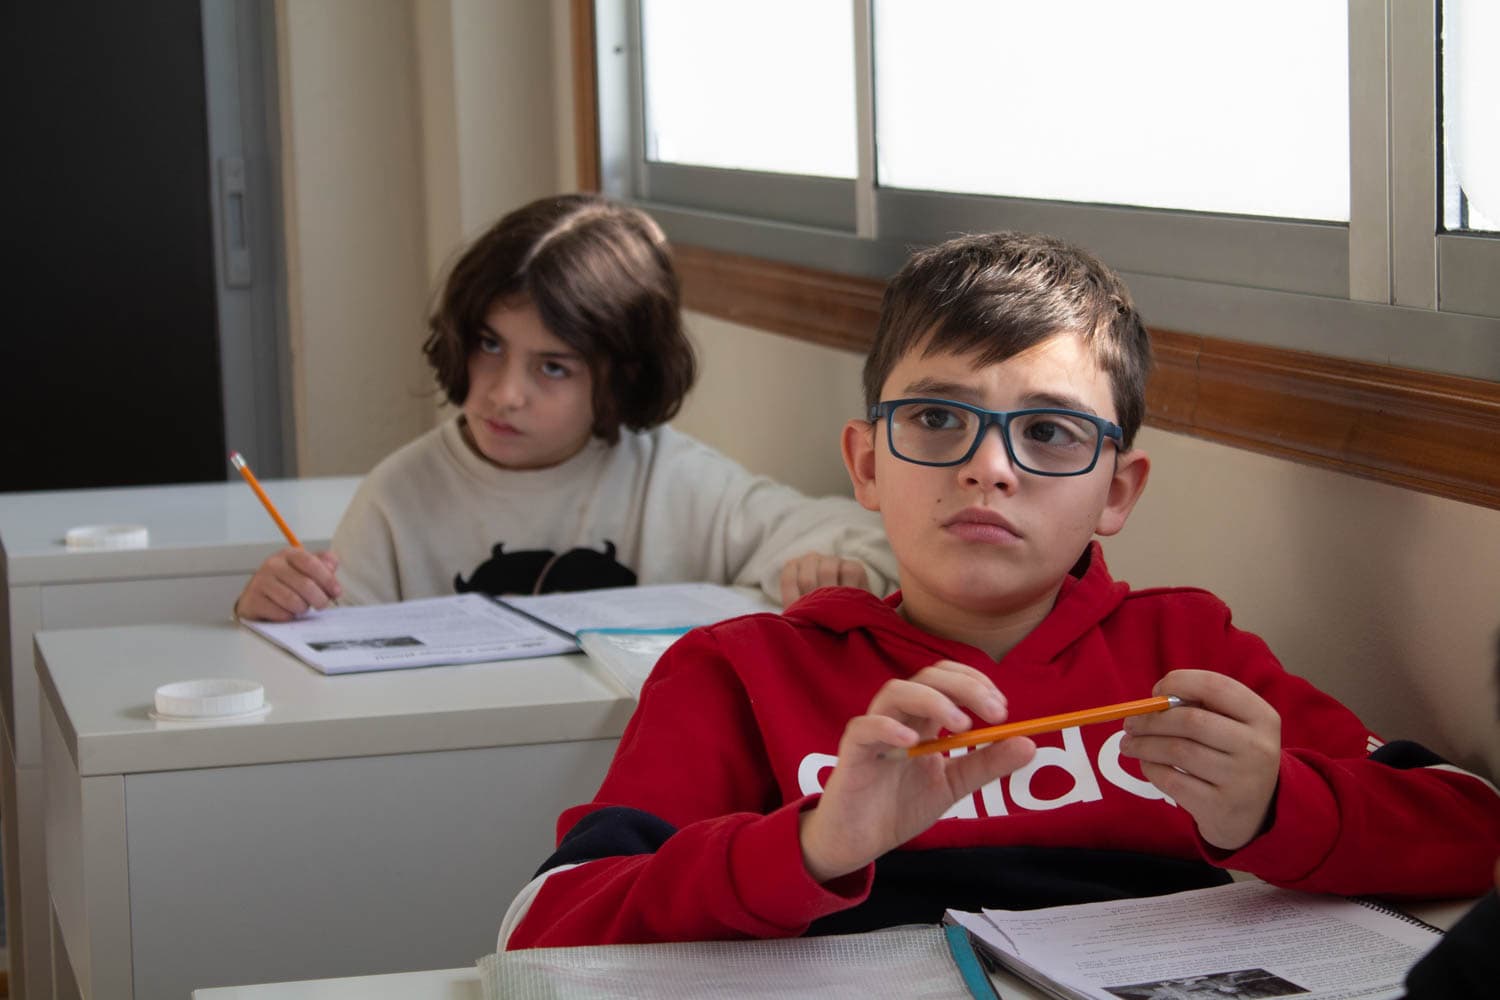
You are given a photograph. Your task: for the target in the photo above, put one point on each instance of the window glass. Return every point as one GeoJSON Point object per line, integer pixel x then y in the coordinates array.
{"type": "Point", "coordinates": [762, 86]}
{"type": "Point", "coordinates": [1236, 108]}
{"type": "Point", "coordinates": [1471, 115]}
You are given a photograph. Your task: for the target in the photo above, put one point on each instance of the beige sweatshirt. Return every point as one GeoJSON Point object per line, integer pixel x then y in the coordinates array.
{"type": "Point", "coordinates": [430, 515]}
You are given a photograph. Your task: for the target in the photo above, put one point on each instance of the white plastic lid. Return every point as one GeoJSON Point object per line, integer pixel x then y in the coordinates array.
{"type": "Point", "coordinates": [100, 537]}
{"type": "Point", "coordinates": [210, 698]}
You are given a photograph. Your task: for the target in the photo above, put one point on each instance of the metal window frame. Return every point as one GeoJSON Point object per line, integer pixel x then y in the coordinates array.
{"type": "Point", "coordinates": [1387, 288]}
{"type": "Point", "coordinates": [239, 45]}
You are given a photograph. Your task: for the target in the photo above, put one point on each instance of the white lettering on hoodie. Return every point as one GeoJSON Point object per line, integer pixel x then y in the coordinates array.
{"type": "Point", "coordinates": [1072, 757]}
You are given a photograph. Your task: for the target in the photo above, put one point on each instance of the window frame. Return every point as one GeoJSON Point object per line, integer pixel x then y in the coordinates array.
{"type": "Point", "coordinates": [1360, 310]}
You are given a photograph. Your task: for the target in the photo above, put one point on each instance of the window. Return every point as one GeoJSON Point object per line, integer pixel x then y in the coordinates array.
{"type": "Point", "coordinates": [1308, 174]}
{"type": "Point", "coordinates": [732, 87]}
{"type": "Point", "coordinates": [1166, 105]}
{"type": "Point", "coordinates": [1471, 97]}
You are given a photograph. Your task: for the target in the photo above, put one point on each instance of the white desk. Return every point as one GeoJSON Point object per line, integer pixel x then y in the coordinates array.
{"type": "Point", "coordinates": [205, 540]}
{"type": "Point", "coordinates": [465, 983]}
{"type": "Point", "coordinates": [369, 823]}
{"type": "Point", "coordinates": [439, 984]}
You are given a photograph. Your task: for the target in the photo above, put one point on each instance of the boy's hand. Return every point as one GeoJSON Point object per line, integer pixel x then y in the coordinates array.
{"type": "Point", "coordinates": [807, 573]}
{"type": "Point", "coordinates": [872, 804]}
{"type": "Point", "coordinates": [288, 584]}
{"type": "Point", "coordinates": [1219, 758]}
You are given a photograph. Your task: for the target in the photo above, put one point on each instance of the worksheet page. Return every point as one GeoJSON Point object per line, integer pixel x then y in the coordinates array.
{"type": "Point", "coordinates": [465, 628]}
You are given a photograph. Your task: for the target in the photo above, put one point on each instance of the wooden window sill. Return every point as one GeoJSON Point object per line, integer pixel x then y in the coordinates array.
{"type": "Point", "coordinates": [1439, 434]}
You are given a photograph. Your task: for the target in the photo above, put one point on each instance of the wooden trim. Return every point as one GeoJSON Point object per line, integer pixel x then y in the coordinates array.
{"type": "Point", "coordinates": [1436, 433]}
{"type": "Point", "coordinates": [837, 310]}
{"type": "Point", "coordinates": [1439, 434]}
{"type": "Point", "coordinates": [585, 95]}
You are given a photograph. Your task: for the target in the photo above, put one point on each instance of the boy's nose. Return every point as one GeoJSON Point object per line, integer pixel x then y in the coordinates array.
{"type": "Point", "coordinates": [990, 465]}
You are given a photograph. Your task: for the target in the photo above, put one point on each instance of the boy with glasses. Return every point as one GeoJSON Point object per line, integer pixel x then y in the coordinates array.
{"type": "Point", "coordinates": [760, 790]}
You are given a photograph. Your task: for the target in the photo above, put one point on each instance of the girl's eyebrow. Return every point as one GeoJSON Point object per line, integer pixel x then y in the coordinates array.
{"type": "Point", "coordinates": [566, 352]}
{"type": "Point", "coordinates": [485, 328]}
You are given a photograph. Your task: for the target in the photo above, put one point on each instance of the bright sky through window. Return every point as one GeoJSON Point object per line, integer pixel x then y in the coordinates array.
{"type": "Point", "coordinates": [759, 86]}
{"type": "Point", "coordinates": [1237, 108]}
{"type": "Point", "coordinates": [1471, 115]}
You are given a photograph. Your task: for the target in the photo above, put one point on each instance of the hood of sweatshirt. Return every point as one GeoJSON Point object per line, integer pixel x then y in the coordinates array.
{"type": "Point", "coordinates": [1088, 595]}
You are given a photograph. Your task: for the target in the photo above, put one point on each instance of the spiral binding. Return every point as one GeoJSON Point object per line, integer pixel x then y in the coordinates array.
{"type": "Point", "coordinates": [1391, 911]}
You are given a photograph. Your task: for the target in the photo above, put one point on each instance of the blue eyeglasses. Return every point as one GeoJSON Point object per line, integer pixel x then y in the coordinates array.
{"type": "Point", "coordinates": [1043, 442]}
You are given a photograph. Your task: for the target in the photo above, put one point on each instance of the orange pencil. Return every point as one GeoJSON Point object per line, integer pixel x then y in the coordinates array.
{"type": "Point", "coordinates": [1046, 724]}
{"type": "Point", "coordinates": [239, 463]}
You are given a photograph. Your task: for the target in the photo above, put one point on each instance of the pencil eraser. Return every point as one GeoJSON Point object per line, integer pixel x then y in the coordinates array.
{"type": "Point", "coordinates": [106, 537]}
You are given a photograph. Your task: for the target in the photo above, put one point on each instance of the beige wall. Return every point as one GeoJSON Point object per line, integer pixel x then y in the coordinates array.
{"type": "Point", "coordinates": [489, 121]}
{"type": "Point", "coordinates": [774, 403]}
{"type": "Point", "coordinates": [1386, 598]}
{"type": "Point", "coordinates": [407, 127]}
{"type": "Point", "coordinates": [354, 229]}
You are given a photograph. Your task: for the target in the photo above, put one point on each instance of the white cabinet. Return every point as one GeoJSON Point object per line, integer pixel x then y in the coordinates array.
{"type": "Point", "coordinates": [368, 823]}
{"type": "Point", "coordinates": [204, 541]}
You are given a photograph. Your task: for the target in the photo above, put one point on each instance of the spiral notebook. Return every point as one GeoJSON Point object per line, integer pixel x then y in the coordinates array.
{"type": "Point", "coordinates": [1245, 939]}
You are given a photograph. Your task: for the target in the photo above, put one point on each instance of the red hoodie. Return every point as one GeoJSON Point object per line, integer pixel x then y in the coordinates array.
{"type": "Point", "coordinates": [693, 834]}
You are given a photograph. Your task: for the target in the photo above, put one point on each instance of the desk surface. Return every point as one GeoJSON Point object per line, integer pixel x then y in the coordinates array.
{"type": "Point", "coordinates": [440, 984]}
{"type": "Point", "coordinates": [195, 528]}
{"type": "Point", "coordinates": [464, 984]}
{"type": "Point", "coordinates": [100, 684]}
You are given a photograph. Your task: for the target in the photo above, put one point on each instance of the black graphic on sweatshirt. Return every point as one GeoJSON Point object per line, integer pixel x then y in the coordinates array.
{"type": "Point", "coordinates": [542, 571]}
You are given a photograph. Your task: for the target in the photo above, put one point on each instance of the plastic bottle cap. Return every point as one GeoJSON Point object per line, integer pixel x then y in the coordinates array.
{"type": "Point", "coordinates": [101, 537]}
{"type": "Point", "coordinates": [210, 698]}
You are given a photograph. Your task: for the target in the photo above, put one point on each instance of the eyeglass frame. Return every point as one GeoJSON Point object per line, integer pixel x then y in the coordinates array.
{"type": "Point", "coordinates": [999, 418]}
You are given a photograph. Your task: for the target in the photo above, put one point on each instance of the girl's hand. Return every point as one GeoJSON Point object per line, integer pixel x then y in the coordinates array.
{"type": "Point", "coordinates": [288, 584]}
{"type": "Point", "coordinates": [1219, 759]}
{"type": "Point", "coordinates": [872, 804]}
{"type": "Point", "coordinates": [807, 573]}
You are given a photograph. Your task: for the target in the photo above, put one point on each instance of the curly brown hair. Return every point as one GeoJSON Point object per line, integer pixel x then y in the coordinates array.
{"type": "Point", "coordinates": [999, 294]}
{"type": "Point", "coordinates": [600, 276]}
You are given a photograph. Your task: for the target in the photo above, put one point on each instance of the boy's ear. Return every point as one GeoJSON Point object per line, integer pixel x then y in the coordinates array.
{"type": "Point", "coordinates": [1132, 468]}
{"type": "Point", "coordinates": [858, 442]}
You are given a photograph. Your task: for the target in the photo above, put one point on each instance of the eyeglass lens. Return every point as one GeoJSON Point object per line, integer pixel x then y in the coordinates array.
{"type": "Point", "coordinates": [1047, 442]}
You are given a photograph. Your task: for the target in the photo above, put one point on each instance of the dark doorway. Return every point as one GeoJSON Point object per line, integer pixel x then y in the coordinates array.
{"type": "Point", "coordinates": [110, 373]}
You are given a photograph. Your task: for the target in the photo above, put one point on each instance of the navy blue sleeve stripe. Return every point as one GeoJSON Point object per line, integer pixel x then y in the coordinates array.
{"type": "Point", "coordinates": [1404, 755]}
{"type": "Point", "coordinates": [610, 832]}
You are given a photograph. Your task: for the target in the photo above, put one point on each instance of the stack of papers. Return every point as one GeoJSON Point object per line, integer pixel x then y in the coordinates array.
{"type": "Point", "coordinates": [1245, 939]}
{"type": "Point", "coordinates": [474, 628]}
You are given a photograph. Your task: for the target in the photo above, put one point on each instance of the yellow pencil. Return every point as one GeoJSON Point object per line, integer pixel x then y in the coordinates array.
{"type": "Point", "coordinates": [1045, 724]}
{"type": "Point", "coordinates": [244, 470]}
